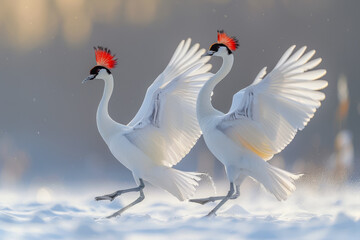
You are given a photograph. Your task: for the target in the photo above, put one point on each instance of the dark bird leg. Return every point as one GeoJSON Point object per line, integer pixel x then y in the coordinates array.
{"type": "Point", "coordinates": [139, 199]}
{"type": "Point", "coordinates": [224, 200]}
{"type": "Point", "coordinates": [216, 198]}
{"type": "Point", "coordinates": [112, 196]}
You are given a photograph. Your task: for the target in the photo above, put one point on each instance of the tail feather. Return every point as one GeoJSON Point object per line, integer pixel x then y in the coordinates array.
{"type": "Point", "coordinates": [281, 182]}
{"type": "Point", "coordinates": [277, 181]}
{"type": "Point", "coordinates": [180, 184]}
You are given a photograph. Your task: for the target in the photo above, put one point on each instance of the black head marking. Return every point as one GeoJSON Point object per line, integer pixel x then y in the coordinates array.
{"type": "Point", "coordinates": [215, 47]}
{"type": "Point", "coordinates": [95, 70]}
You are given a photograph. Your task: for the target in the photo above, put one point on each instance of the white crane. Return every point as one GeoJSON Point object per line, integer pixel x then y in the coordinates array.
{"type": "Point", "coordinates": [263, 118]}
{"type": "Point", "coordinates": [164, 129]}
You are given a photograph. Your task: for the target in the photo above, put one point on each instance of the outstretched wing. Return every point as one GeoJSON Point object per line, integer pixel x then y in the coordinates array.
{"type": "Point", "coordinates": [265, 116]}
{"type": "Point", "coordinates": [166, 127]}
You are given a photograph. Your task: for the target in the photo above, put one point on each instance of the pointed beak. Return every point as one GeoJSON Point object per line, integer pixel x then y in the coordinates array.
{"type": "Point", "coordinates": [90, 77]}
{"type": "Point", "coordinates": [209, 53]}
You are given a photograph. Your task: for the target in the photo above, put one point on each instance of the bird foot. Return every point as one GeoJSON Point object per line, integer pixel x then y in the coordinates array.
{"type": "Point", "coordinates": [210, 215]}
{"type": "Point", "coordinates": [109, 197]}
{"type": "Point", "coordinates": [201, 201]}
{"type": "Point", "coordinates": [115, 214]}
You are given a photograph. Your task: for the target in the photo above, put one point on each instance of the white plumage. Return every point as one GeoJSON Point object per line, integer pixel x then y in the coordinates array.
{"type": "Point", "coordinates": [262, 121]}
{"type": "Point", "coordinates": [164, 129]}
{"type": "Point", "coordinates": [267, 114]}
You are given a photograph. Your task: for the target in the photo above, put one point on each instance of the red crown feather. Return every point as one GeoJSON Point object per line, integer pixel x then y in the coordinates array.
{"type": "Point", "coordinates": [104, 58]}
{"type": "Point", "coordinates": [231, 42]}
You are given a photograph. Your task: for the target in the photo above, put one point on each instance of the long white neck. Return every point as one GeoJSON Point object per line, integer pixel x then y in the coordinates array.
{"type": "Point", "coordinates": [203, 105]}
{"type": "Point", "coordinates": [106, 125]}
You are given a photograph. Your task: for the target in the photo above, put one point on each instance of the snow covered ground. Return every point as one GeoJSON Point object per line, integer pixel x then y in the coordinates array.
{"type": "Point", "coordinates": [308, 214]}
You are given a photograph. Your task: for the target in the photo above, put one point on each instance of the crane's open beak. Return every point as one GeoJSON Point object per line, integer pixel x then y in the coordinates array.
{"type": "Point", "coordinates": [90, 77]}
{"type": "Point", "coordinates": [209, 53]}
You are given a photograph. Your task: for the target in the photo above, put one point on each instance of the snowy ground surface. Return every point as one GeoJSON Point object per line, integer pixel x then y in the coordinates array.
{"type": "Point", "coordinates": [327, 214]}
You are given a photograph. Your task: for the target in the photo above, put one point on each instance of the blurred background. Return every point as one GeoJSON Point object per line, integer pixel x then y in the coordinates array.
{"type": "Point", "coordinates": [48, 134]}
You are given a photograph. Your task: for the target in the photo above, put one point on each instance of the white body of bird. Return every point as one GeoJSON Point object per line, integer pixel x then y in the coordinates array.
{"type": "Point", "coordinates": [165, 128]}
{"type": "Point", "coordinates": [263, 118]}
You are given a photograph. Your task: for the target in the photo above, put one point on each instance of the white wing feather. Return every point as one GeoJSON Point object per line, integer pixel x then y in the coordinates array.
{"type": "Point", "coordinates": [166, 127]}
{"type": "Point", "coordinates": [265, 116]}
